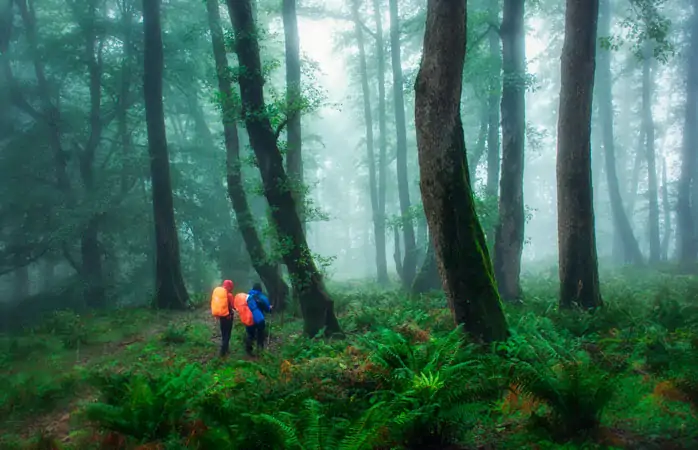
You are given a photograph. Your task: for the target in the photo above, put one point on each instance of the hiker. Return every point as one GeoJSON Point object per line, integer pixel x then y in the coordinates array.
{"type": "Point", "coordinates": [258, 303]}
{"type": "Point", "coordinates": [222, 308]}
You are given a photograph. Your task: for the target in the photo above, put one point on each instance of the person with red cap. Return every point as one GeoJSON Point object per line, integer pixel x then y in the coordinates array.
{"type": "Point", "coordinates": [222, 308]}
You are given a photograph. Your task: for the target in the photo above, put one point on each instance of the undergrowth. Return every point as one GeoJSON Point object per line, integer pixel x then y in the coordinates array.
{"type": "Point", "coordinates": [625, 376]}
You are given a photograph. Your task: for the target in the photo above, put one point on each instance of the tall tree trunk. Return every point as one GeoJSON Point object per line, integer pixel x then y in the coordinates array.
{"type": "Point", "coordinates": [666, 239]}
{"type": "Point", "coordinates": [170, 291]}
{"type": "Point", "coordinates": [378, 224]}
{"type": "Point", "coordinates": [604, 95]}
{"type": "Point", "coordinates": [688, 247]}
{"type": "Point", "coordinates": [409, 265]}
{"type": "Point", "coordinates": [92, 272]}
{"type": "Point", "coordinates": [459, 242]}
{"type": "Point", "coordinates": [294, 154]}
{"type": "Point", "coordinates": [493, 118]}
{"type": "Point", "coordinates": [509, 236]}
{"type": "Point", "coordinates": [648, 125]}
{"type": "Point", "coordinates": [267, 270]}
{"type": "Point", "coordinates": [382, 128]}
{"type": "Point", "coordinates": [316, 305]}
{"type": "Point", "coordinates": [579, 274]}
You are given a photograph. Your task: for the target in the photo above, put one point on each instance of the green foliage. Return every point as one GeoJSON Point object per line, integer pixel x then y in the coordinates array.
{"type": "Point", "coordinates": [146, 406]}
{"type": "Point", "coordinates": [403, 378]}
{"type": "Point", "coordinates": [67, 326]}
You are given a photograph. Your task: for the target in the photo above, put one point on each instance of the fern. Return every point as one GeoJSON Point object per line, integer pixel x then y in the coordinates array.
{"type": "Point", "coordinates": [146, 407]}
{"type": "Point", "coordinates": [575, 389]}
{"type": "Point", "coordinates": [312, 430]}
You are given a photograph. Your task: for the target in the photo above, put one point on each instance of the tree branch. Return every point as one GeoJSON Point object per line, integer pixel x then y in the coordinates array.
{"type": "Point", "coordinates": [482, 36]}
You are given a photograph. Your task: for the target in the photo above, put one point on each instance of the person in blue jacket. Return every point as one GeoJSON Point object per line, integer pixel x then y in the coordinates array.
{"type": "Point", "coordinates": [258, 304]}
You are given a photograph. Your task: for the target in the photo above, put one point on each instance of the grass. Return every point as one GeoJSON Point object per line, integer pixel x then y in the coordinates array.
{"type": "Point", "coordinates": [625, 376]}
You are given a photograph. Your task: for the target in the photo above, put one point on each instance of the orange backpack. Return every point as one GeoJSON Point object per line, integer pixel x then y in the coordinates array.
{"type": "Point", "coordinates": [240, 305]}
{"type": "Point", "coordinates": [219, 302]}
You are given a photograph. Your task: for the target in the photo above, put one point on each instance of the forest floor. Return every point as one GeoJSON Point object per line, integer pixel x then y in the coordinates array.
{"type": "Point", "coordinates": [623, 377]}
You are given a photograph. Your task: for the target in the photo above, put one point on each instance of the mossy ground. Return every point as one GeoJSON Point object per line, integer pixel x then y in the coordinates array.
{"type": "Point", "coordinates": [622, 377]}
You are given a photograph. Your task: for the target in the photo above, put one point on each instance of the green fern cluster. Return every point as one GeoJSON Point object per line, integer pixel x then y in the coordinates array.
{"type": "Point", "coordinates": [313, 429]}
{"type": "Point", "coordinates": [146, 406]}
{"type": "Point", "coordinates": [574, 388]}
{"type": "Point", "coordinates": [435, 390]}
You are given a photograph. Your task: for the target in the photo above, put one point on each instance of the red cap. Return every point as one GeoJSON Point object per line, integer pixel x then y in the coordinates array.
{"type": "Point", "coordinates": [228, 284]}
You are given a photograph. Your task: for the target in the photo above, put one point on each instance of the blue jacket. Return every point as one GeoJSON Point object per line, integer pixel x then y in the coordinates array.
{"type": "Point", "coordinates": [258, 302]}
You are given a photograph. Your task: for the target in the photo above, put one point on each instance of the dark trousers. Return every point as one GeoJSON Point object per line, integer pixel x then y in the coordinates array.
{"type": "Point", "coordinates": [226, 330]}
{"type": "Point", "coordinates": [257, 333]}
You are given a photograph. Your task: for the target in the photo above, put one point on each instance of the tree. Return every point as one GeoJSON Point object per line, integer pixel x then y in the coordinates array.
{"type": "Point", "coordinates": [604, 96]}
{"type": "Point", "coordinates": [378, 223]}
{"type": "Point", "coordinates": [509, 235]}
{"type": "Point", "coordinates": [459, 242]}
{"type": "Point", "coordinates": [316, 305]}
{"type": "Point", "coordinates": [409, 263]}
{"type": "Point", "coordinates": [382, 128]}
{"type": "Point", "coordinates": [170, 291]}
{"type": "Point", "coordinates": [294, 154]}
{"type": "Point", "coordinates": [493, 110]}
{"type": "Point", "coordinates": [650, 154]}
{"type": "Point", "coordinates": [688, 247]}
{"type": "Point", "coordinates": [267, 270]}
{"type": "Point", "coordinates": [579, 275]}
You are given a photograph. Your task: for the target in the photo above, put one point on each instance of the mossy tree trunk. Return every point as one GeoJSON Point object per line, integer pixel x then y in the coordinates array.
{"type": "Point", "coordinates": [316, 305]}
{"type": "Point", "coordinates": [459, 242]}
{"type": "Point", "coordinates": [169, 282]}
{"type": "Point", "coordinates": [509, 235]}
{"type": "Point", "coordinates": [378, 225]}
{"type": "Point", "coordinates": [579, 274]}
{"type": "Point", "coordinates": [267, 269]}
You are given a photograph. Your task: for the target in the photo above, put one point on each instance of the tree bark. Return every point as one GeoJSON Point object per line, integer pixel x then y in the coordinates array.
{"type": "Point", "coordinates": [409, 264]}
{"type": "Point", "coordinates": [378, 225]}
{"type": "Point", "coordinates": [382, 128]}
{"type": "Point", "coordinates": [687, 245]}
{"type": "Point", "coordinates": [459, 242]}
{"type": "Point", "coordinates": [267, 270]}
{"type": "Point", "coordinates": [316, 305]}
{"type": "Point", "coordinates": [648, 126]}
{"type": "Point", "coordinates": [579, 275]}
{"type": "Point", "coordinates": [170, 291]}
{"type": "Point", "coordinates": [509, 235]}
{"type": "Point", "coordinates": [294, 154]}
{"type": "Point", "coordinates": [631, 249]}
